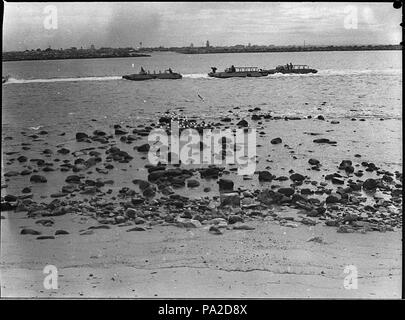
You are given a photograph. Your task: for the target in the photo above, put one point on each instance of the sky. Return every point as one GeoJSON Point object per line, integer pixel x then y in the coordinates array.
{"type": "Point", "coordinates": [63, 25]}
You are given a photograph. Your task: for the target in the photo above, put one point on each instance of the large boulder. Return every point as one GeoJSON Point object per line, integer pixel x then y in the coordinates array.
{"type": "Point", "coordinates": [265, 176]}
{"type": "Point", "coordinates": [370, 184]}
{"type": "Point", "coordinates": [286, 191]}
{"type": "Point", "coordinates": [230, 199]}
{"type": "Point", "coordinates": [38, 179]}
{"type": "Point", "coordinates": [297, 177]}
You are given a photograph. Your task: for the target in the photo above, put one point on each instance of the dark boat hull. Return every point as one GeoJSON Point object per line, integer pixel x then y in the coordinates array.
{"type": "Point", "coordinates": [143, 77]}
{"type": "Point", "coordinates": [168, 76]}
{"type": "Point", "coordinates": [299, 71]}
{"type": "Point", "coordinates": [244, 74]}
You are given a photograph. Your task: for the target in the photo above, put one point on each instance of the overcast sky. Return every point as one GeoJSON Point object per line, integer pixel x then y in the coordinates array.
{"type": "Point", "coordinates": [179, 24]}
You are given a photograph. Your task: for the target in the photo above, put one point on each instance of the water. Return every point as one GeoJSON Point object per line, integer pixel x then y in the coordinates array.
{"type": "Point", "coordinates": [351, 83]}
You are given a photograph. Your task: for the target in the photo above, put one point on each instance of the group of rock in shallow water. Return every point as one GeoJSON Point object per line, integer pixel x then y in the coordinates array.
{"type": "Point", "coordinates": [352, 206]}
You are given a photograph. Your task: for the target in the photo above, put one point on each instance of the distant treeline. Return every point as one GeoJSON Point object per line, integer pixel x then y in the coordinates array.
{"type": "Point", "coordinates": [239, 49]}
{"type": "Point", "coordinates": [72, 53]}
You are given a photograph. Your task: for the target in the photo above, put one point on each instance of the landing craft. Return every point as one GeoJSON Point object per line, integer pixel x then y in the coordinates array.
{"type": "Point", "coordinates": [143, 75]}
{"type": "Point", "coordinates": [293, 69]}
{"type": "Point", "coordinates": [238, 72]}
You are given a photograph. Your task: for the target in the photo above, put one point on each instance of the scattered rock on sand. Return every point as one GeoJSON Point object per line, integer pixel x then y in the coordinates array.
{"type": "Point", "coordinates": [30, 231]}
{"type": "Point", "coordinates": [276, 141]}
{"type": "Point", "coordinates": [38, 179]}
{"type": "Point", "coordinates": [369, 184]}
{"type": "Point", "coordinates": [214, 230]}
{"type": "Point", "coordinates": [265, 176]}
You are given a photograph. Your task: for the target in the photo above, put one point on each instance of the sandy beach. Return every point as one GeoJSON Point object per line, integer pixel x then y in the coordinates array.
{"type": "Point", "coordinates": [322, 206]}
{"type": "Point", "coordinates": [272, 261]}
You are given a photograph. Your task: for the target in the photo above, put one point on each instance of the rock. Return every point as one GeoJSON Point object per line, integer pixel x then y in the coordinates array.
{"type": "Point", "coordinates": [30, 231]}
{"type": "Point", "coordinates": [291, 225]}
{"type": "Point", "coordinates": [11, 174]}
{"type": "Point", "coordinates": [136, 229]}
{"type": "Point", "coordinates": [308, 221]}
{"type": "Point", "coordinates": [45, 237]}
{"type": "Point", "coordinates": [38, 179]}
{"type": "Point", "coordinates": [243, 123]}
{"type": "Point", "coordinates": [192, 183]}
{"type": "Point", "coordinates": [149, 192]}
{"type": "Point", "coordinates": [10, 198]}
{"type": "Point", "coordinates": [316, 239]}
{"type": "Point", "coordinates": [369, 184]}
{"type": "Point", "coordinates": [234, 219]}
{"type": "Point", "coordinates": [210, 173]}
{"type": "Point", "coordinates": [286, 191]}
{"type": "Point", "coordinates": [187, 223]}
{"type": "Point", "coordinates": [265, 176]}
{"type": "Point", "coordinates": [324, 140]}
{"type": "Point", "coordinates": [332, 223]}
{"type": "Point", "coordinates": [297, 177]}
{"type": "Point", "coordinates": [230, 199]}
{"type": "Point", "coordinates": [63, 151]}
{"type": "Point", "coordinates": [58, 195]}
{"type": "Point", "coordinates": [313, 162]}
{"type": "Point", "coordinates": [6, 206]}
{"type": "Point", "coordinates": [242, 227]}
{"type": "Point", "coordinates": [139, 220]}
{"type": "Point", "coordinates": [120, 132]}
{"type": "Point", "coordinates": [60, 232]}
{"type": "Point", "coordinates": [333, 198]}
{"type": "Point", "coordinates": [137, 201]}
{"type": "Point", "coordinates": [22, 159]}
{"type": "Point", "coordinates": [337, 181]}
{"type": "Point", "coordinates": [73, 179]}
{"type": "Point", "coordinates": [321, 117]}
{"type": "Point", "coordinates": [214, 230]}
{"type": "Point", "coordinates": [276, 141]}
{"type": "Point", "coordinates": [99, 133]}
{"type": "Point", "coordinates": [81, 136]}
{"type": "Point", "coordinates": [345, 229]}
{"type": "Point", "coordinates": [144, 148]}
{"type": "Point", "coordinates": [225, 185]}
{"type": "Point", "coordinates": [45, 222]}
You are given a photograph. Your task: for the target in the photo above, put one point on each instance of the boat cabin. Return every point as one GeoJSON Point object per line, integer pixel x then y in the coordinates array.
{"type": "Point", "coordinates": [243, 69]}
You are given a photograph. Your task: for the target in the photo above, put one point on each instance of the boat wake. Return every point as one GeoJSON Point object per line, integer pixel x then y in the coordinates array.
{"type": "Point", "coordinates": [19, 81]}
{"type": "Point", "coordinates": [321, 73]}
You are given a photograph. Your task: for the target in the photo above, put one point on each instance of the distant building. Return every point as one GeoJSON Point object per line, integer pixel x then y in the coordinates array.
{"type": "Point", "coordinates": [191, 45]}
{"type": "Point", "coordinates": [207, 44]}
{"type": "Point", "coordinates": [92, 47]}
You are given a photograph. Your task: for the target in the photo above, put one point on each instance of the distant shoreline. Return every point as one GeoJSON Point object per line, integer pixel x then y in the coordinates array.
{"type": "Point", "coordinates": [299, 49]}
{"type": "Point", "coordinates": [71, 58]}
{"type": "Point", "coordinates": [213, 51]}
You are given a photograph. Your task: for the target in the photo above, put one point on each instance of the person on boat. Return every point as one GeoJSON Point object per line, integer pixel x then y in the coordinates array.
{"type": "Point", "coordinates": [233, 69]}
{"type": "Point", "coordinates": [291, 66]}
{"type": "Point", "coordinates": [170, 70]}
{"type": "Point", "coordinates": [214, 69]}
{"type": "Point", "coordinates": [142, 71]}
